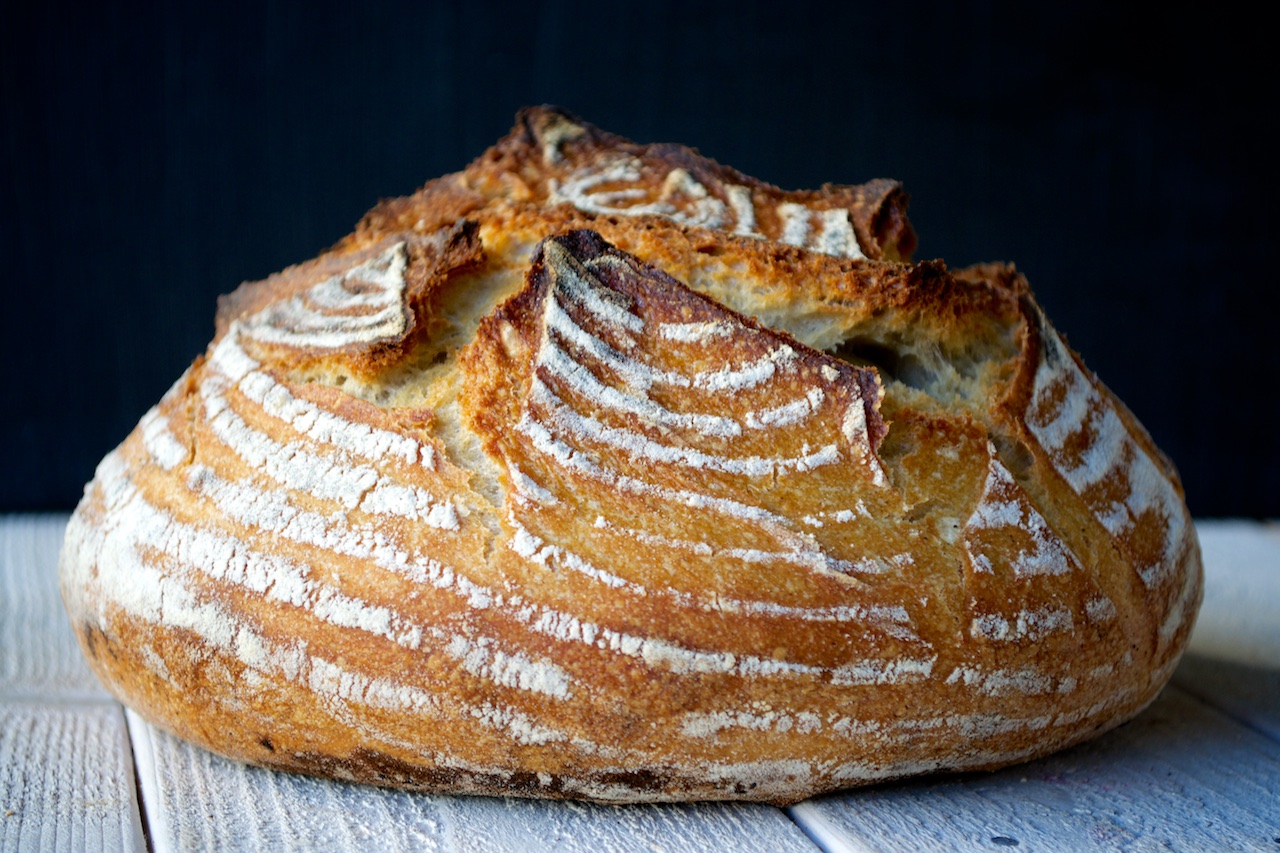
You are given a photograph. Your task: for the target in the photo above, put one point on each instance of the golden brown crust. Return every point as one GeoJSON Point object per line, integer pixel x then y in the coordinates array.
{"type": "Point", "coordinates": [601, 470]}
{"type": "Point", "coordinates": [551, 158]}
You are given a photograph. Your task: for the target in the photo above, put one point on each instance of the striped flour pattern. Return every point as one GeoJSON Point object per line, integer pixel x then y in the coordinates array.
{"type": "Point", "coordinates": [1090, 446]}
{"type": "Point", "coordinates": [1088, 443]}
{"type": "Point", "coordinates": [362, 306]}
{"type": "Point", "coordinates": [563, 161]}
{"type": "Point", "coordinates": [618, 185]}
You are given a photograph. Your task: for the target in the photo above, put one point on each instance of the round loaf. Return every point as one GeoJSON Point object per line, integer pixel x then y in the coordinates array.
{"type": "Point", "coordinates": [604, 471]}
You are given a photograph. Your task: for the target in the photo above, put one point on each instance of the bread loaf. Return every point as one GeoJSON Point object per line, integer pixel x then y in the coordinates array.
{"type": "Point", "coordinates": [603, 471]}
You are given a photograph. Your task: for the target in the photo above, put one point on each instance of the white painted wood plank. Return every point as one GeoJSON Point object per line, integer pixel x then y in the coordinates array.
{"type": "Point", "coordinates": [198, 801]}
{"type": "Point", "coordinates": [39, 656]}
{"type": "Point", "coordinates": [66, 770]}
{"type": "Point", "coordinates": [1182, 776]}
{"type": "Point", "coordinates": [1233, 662]}
{"type": "Point", "coordinates": [516, 825]}
{"type": "Point", "coordinates": [66, 779]}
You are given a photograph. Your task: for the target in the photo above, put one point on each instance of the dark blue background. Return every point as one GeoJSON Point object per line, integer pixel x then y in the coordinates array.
{"type": "Point", "coordinates": [1124, 161]}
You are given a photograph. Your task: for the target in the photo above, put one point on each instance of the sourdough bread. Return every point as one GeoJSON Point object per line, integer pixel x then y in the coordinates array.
{"type": "Point", "coordinates": [603, 471]}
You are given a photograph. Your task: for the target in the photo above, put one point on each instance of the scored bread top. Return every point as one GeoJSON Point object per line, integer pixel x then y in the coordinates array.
{"type": "Point", "coordinates": [601, 470]}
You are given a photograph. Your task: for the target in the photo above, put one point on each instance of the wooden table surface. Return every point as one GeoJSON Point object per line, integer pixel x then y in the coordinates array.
{"type": "Point", "coordinates": [1199, 770]}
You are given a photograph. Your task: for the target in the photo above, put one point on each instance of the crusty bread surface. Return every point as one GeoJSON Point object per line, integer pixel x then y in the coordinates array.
{"type": "Point", "coordinates": [601, 470]}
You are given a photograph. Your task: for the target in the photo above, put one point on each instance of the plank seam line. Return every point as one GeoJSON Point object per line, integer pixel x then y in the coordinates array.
{"type": "Point", "coordinates": [819, 830]}
{"type": "Point", "coordinates": [142, 747]}
{"type": "Point", "coordinates": [137, 789]}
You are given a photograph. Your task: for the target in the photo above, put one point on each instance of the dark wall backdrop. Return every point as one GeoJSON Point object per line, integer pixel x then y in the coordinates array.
{"type": "Point", "coordinates": [157, 157]}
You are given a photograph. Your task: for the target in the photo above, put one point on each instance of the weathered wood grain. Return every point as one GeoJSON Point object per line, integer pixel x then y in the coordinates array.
{"type": "Point", "coordinates": [66, 778]}
{"type": "Point", "coordinates": [66, 773]}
